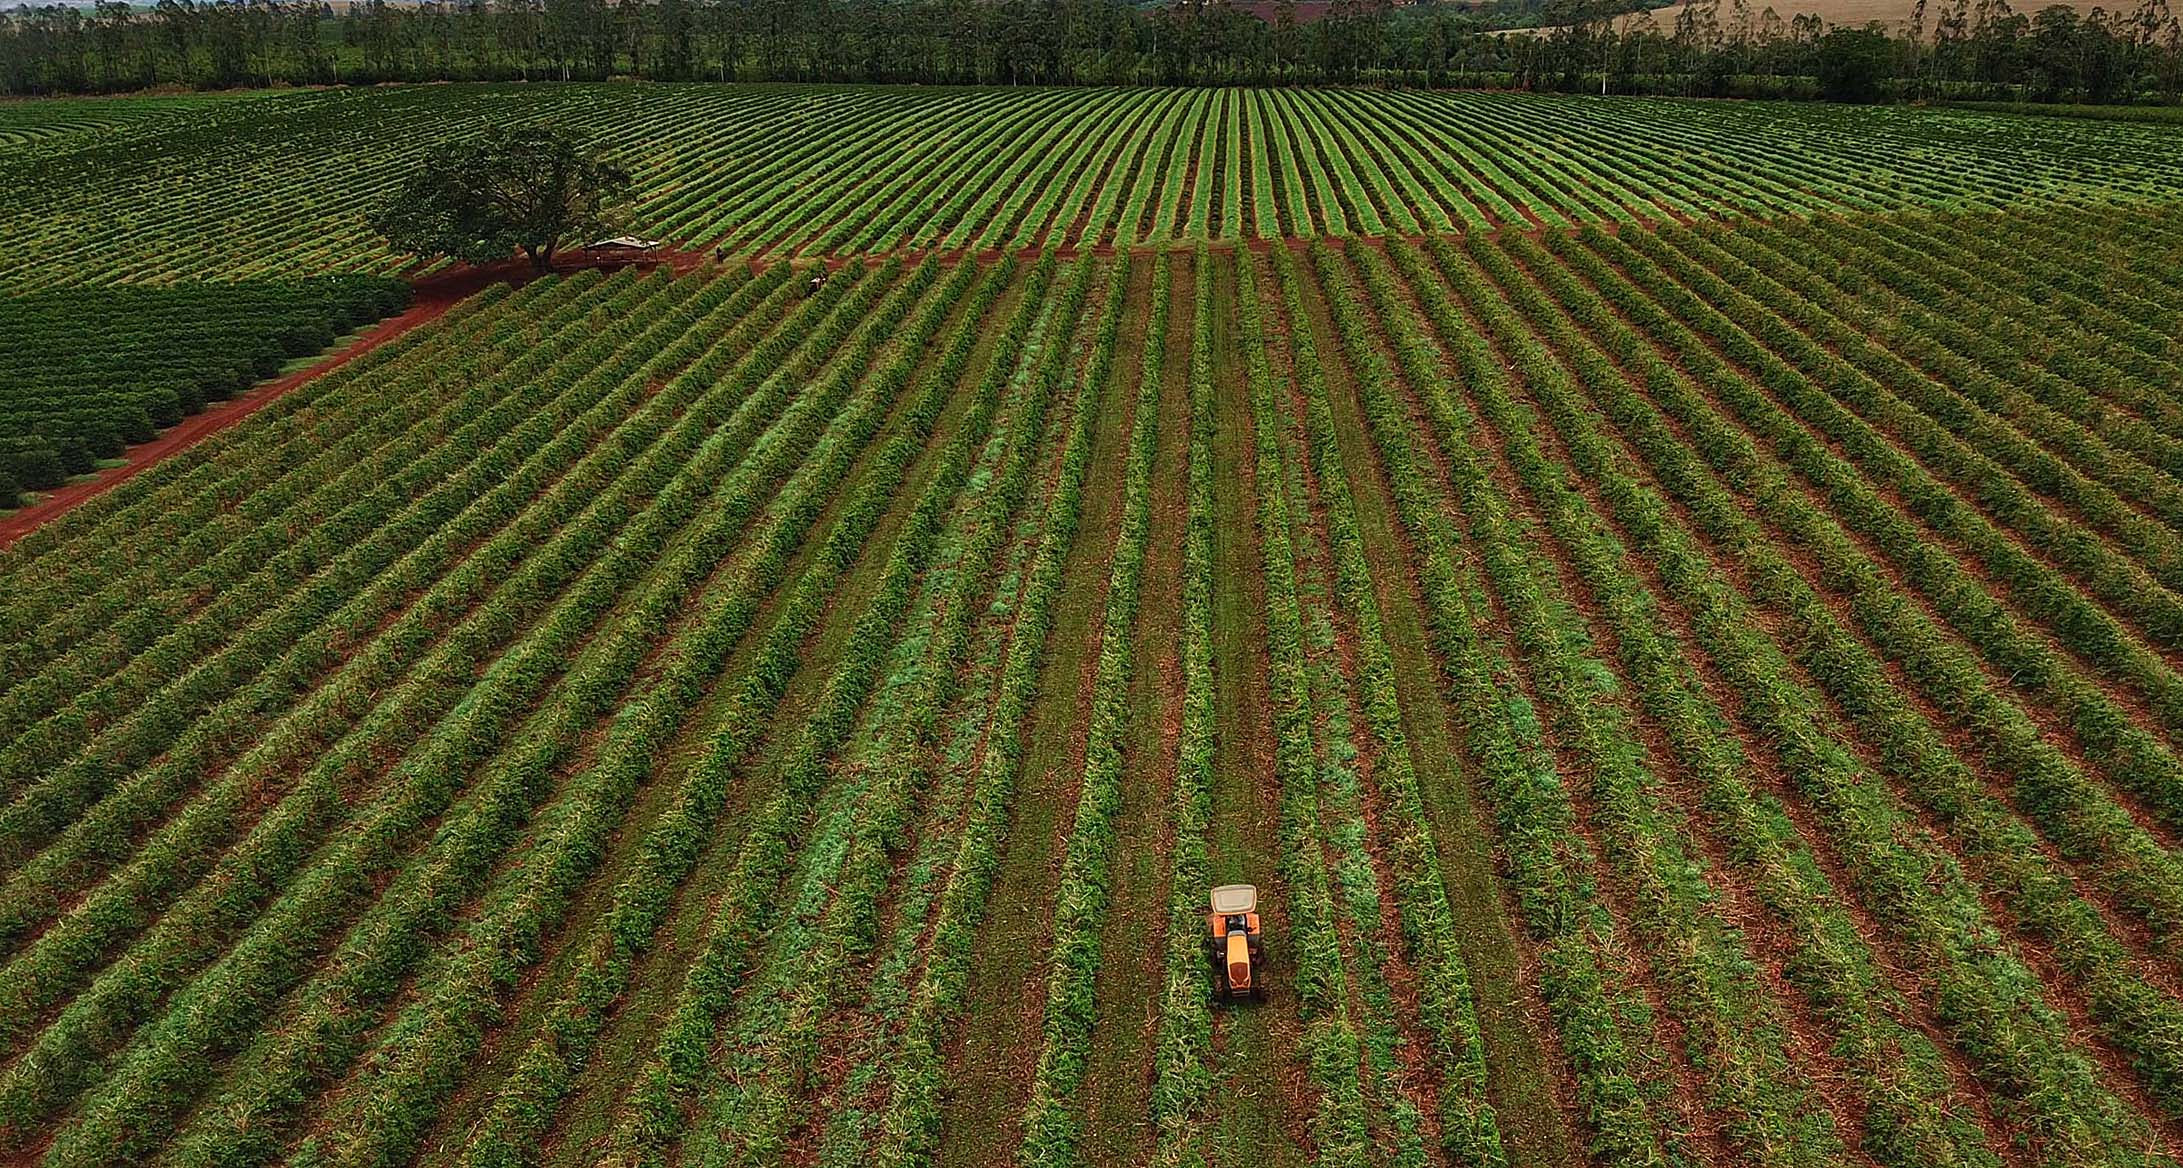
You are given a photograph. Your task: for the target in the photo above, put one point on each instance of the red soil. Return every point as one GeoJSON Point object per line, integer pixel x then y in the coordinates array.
{"type": "Point", "coordinates": [433, 296]}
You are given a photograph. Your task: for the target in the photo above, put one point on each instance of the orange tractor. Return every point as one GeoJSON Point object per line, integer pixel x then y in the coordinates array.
{"type": "Point", "coordinates": [1234, 944]}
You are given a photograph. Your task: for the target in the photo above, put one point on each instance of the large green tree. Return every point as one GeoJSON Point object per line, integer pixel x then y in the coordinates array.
{"type": "Point", "coordinates": [1854, 63]}
{"type": "Point", "coordinates": [528, 188]}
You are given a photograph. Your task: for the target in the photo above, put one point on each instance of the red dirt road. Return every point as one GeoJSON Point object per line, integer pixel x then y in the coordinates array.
{"type": "Point", "coordinates": [433, 296]}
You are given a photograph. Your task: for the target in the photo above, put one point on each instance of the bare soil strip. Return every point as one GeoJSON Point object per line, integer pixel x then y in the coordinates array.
{"type": "Point", "coordinates": [988, 1067]}
{"type": "Point", "coordinates": [1117, 1088]}
{"type": "Point", "coordinates": [1262, 1101]}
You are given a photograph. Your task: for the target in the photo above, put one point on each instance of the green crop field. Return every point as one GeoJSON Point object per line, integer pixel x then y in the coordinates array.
{"type": "Point", "coordinates": [36, 127]}
{"type": "Point", "coordinates": [280, 184]}
{"type": "Point", "coordinates": [1676, 606]}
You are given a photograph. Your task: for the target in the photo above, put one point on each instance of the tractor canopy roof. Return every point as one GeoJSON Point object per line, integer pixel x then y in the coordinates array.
{"type": "Point", "coordinates": [1235, 898]}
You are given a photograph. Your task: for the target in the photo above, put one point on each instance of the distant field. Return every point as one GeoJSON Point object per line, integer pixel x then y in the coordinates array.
{"type": "Point", "coordinates": [25, 122]}
{"type": "Point", "coordinates": [2167, 114]}
{"type": "Point", "coordinates": [281, 184]}
{"type": "Point", "coordinates": [1894, 13]}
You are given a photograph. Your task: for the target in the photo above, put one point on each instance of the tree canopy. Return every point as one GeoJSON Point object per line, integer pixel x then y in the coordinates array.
{"type": "Point", "coordinates": [528, 188]}
{"type": "Point", "coordinates": [1853, 62]}
{"type": "Point", "coordinates": [2125, 51]}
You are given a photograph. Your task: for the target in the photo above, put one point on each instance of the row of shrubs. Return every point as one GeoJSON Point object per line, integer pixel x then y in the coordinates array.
{"type": "Point", "coordinates": [83, 372]}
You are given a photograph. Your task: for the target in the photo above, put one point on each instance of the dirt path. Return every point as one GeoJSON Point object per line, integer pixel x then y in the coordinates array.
{"type": "Point", "coordinates": [432, 296]}
{"type": "Point", "coordinates": [1118, 1084]}
{"type": "Point", "coordinates": [1264, 1103]}
{"type": "Point", "coordinates": [213, 419]}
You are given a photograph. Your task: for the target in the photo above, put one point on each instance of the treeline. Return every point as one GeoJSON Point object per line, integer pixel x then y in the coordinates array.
{"type": "Point", "coordinates": [1945, 49]}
